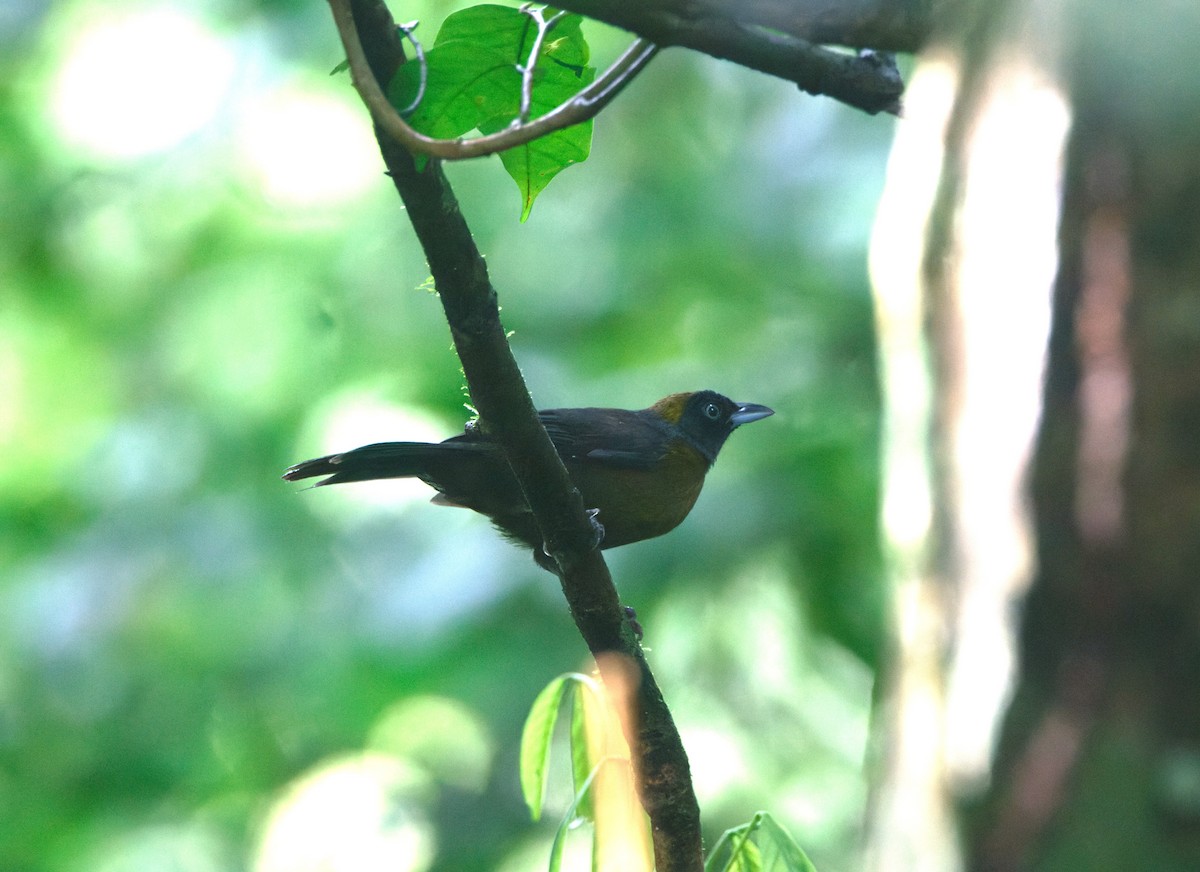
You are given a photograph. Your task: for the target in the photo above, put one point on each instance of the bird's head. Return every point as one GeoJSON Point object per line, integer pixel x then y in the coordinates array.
{"type": "Point", "coordinates": [705, 418]}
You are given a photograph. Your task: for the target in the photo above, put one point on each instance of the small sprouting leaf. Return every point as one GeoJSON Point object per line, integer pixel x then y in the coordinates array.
{"type": "Point", "coordinates": [539, 729]}
{"type": "Point", "coordinates": [780, 853]}
{"type": "Point", "coordinates": [571, 818]}
{"type": "Point", "coordinates": [761, 845]}
{"type": "Point", "coordinates": [587, 742]}
{"type": "Point", "coordinates": [746, 858]}
{"type": "Point", "coordinates": [535, 744]}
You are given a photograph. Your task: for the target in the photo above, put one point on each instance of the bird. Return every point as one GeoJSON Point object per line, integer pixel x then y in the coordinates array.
{"type": "Point", "coordinates": [639, 471]}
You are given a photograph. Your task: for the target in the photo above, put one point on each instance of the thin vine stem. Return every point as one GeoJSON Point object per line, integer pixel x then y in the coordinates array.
{"type": "Point", "coordinates": [407, 31]}
{"type": "Point", "coordinates": [526, 70]}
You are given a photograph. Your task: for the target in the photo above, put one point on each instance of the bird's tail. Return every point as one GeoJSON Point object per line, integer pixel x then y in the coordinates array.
{"type": "Point", "coordinates": [422, 460]}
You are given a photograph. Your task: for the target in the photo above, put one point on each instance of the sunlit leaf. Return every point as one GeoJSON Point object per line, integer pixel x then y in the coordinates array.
{"type": "Point", "coordinates": [534, 164]}
{"type": "Point", "coordinates": [761, 845]}
{"type": "Point", "coordinates": [571, 818]}
{"type": "Point", "coordinates": [562, 72]}
{"type": "Point", "coordinates": [587, 741]}
{"type": "Point", "coordinates": [539, 729]}
{"type": "Point", "coordinates": [730, 840]}
{"type": "Point", "coordinates": [780, 853]}
{"type": "Point", "coordinates": [474, 82]}
{"type": "Point", "coordinates": [535, 744]}
{"type": "Point", "coordinates": [746, 858]}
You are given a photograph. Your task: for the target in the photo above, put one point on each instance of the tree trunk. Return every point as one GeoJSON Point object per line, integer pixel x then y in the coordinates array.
{"type": "Point", "coordinates": [1099, 767]}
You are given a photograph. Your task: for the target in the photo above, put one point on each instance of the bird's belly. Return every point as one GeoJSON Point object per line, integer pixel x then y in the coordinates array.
{"type": "Point", "coordinates": [636, 504]}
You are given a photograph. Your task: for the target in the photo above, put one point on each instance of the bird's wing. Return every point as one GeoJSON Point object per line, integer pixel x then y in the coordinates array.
{"type": "Point", "coordinates": [610, 437]}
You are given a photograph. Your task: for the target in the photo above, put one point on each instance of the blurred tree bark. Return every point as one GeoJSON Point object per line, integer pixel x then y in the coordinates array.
{"type": "Point", "coordinates": [1099, 767]}
{"type": "Point", "coordinates": [1098, 763]}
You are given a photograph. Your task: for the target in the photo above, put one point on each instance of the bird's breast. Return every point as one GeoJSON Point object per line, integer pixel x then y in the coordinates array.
{"type": "Point", "coordinates": [636, 504]}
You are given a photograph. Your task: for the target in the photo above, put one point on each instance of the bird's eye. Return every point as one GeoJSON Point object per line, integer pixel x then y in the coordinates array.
{"type": "Point", "coordinates": [712, 412]}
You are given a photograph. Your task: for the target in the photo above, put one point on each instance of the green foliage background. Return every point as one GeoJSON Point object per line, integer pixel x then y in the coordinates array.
{"type": "Point", "coordinates": [186, 642]}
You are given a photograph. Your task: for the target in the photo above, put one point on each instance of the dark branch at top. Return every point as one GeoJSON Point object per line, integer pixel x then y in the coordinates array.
{"type": "Point", "coordinates": [883, 25]}
{"type": "Point", "coordinates": [784, 38]}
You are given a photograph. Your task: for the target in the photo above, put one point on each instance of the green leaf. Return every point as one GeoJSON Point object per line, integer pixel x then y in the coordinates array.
{"type": "Point", "coordinates": [535, 744]}
{"type": "Point", "coordinates": [539, 730]}
{"type": "Point", "coordinates": [473, 82]}
{"type": "Point", "coordinates": [780, 853]}
{"type": "Point", "coordinates": [562, 72]}
{"type": "Point", "coordinates": [759, 846]}
{"type": "Point", "coordinates": [570, 819]}
{"type": "Point", "coordinates": [747, 859]}
{"type": "Point", "coordinates": [744, 855]}
{"type": "Point", "coordinates": [586, 718]}
{"type": "Point", "coordinates": [534, 164]}
{"type": "Point", "coordinates": [470, 59]}
{"type": "Point", "coordinates": [714, 855]}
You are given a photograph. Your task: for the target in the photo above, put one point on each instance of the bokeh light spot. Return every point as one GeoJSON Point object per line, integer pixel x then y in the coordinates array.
{"type": "Point", "coordinates": [441, 734]}
{"type": "Point", "coordinates": [359, 416]}
{"type": "Point", "coordinates": [306, 149]}
{"type": "Point", "coordinates": [138, 83]}
{"type": "Point", "coordinates": [360, 813]}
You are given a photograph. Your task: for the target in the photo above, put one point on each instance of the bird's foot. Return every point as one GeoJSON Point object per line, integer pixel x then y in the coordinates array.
{"type": "Point", "coordinates": [597, 528]}
{"type": "Point", "coordinates": [543, 558]}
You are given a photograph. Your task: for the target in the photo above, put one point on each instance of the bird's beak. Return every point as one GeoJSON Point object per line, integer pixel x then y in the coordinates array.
{"type": "Point", "coordinates": [747, 412]}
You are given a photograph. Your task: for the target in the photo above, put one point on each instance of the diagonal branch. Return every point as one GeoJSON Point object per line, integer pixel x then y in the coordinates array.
{"type": "Point", "coordinates": [584, 105]}
{"type": "Point", "coordinates": [498, 392]}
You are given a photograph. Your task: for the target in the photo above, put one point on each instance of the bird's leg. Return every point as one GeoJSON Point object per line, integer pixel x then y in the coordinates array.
{"type": "Point", "coordinates": [630, 612]}
{"type": "Point", "coordinates": [543, 558]}
{"type": "Point", "coordinates": [634, 623]}
{"type": "Point", "coordinates": [597, 527]}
